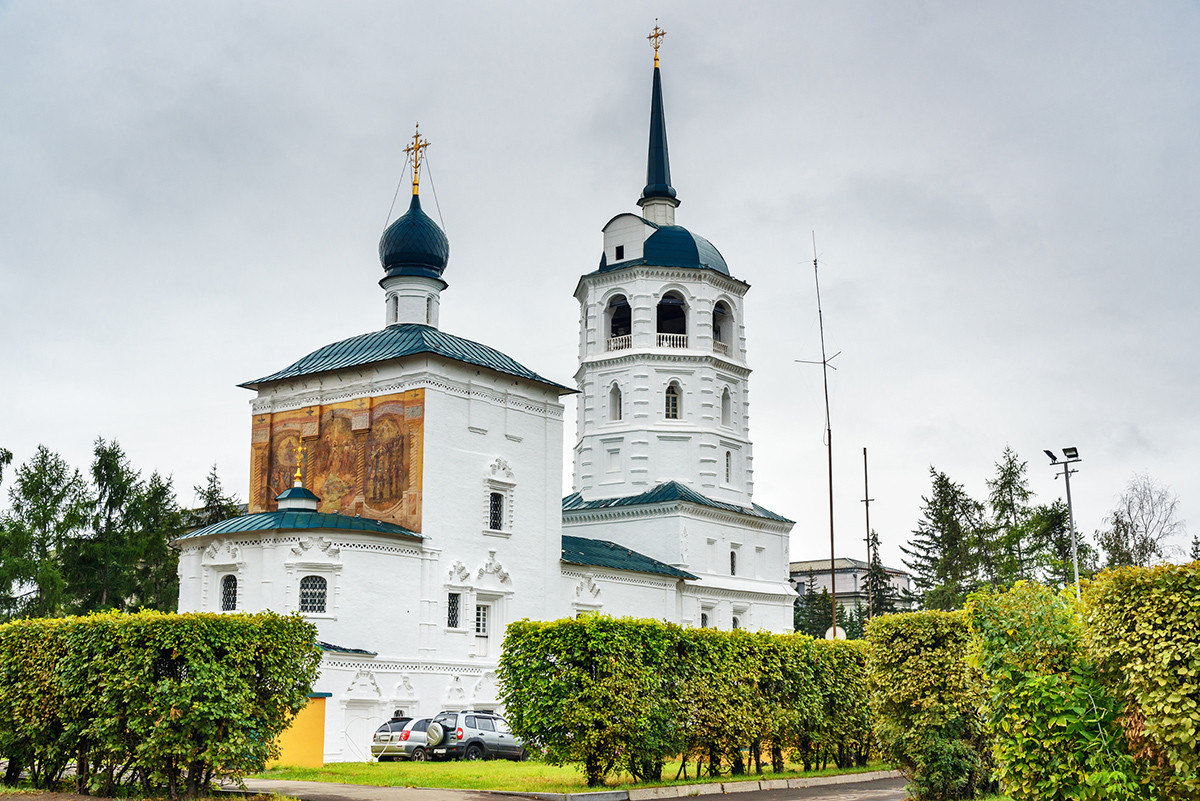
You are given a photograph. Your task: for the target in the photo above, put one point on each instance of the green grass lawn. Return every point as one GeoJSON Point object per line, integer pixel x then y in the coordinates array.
{"type": "Point", "coordinates": [531, 776]}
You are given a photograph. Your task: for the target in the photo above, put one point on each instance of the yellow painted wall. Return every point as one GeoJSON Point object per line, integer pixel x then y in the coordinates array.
{"type": "Point", "coordinates": [303, 743]}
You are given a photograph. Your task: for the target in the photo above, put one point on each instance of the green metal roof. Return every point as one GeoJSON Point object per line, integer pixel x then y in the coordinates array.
{"type": "Point", "coordinates": [658, 163]}
{"type": "Point", "coordinates": [298, 520]}
{"type": "Point", "coordinates": [673, 246]}
{"type": "Point", "coordinates": [338, 649]}
{"type": "Point", "coordinates": [669, 492]}
{"type": "Point", "coordinates": [602, 553]}
{"type": "Point", "coordinates": [296, 492]}
{"type": "Point", "coordinates": [396, 342]}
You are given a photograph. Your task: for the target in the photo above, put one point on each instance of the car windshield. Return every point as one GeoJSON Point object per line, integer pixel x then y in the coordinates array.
{"type": "Point", "coordinates": [393, 725]}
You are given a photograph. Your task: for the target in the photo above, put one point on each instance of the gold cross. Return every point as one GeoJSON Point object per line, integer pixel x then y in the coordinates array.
{"type": "Point", "coordinates": [299, 451]}
{"type": "Point", "coordinates": [417, 150]}
{"type": "Point", "coordinates": [656, 37]}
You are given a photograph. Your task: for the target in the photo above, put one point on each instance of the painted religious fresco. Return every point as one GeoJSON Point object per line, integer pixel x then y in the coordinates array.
{"type": "Point", "coordinates": [360, 457]}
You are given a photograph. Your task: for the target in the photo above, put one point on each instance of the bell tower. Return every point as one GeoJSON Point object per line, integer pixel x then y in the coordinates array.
{"type": "Point", "coordinates": [663, 376]}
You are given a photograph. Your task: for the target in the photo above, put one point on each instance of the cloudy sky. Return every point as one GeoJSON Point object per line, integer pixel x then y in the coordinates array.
{"type": "Point", "coordinates": [1005, 199]}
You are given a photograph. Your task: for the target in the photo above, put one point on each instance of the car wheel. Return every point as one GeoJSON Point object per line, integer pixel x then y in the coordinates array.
{"type": "Point", "coordinates": [433, 735]}
{"type": "Point", "coordinates": [523, 756]}
{"type": "Point", "coordinates": [473, 753]}
{"type": "Point", "coordinates": [420, 755]}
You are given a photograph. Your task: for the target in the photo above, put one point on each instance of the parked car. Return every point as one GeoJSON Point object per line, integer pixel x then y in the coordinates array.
{"type": "Point", "coordinates": [385, 743]}
{"type": "Point", "coordinates": [473, 734]}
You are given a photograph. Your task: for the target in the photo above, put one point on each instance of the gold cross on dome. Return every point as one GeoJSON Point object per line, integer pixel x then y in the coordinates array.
{"type": "Point", "coordinates": [656, 37]}
{"type": "Point", "coordinates": [417, 150]}
{"type": "Point", "coordinates": [299, 451]}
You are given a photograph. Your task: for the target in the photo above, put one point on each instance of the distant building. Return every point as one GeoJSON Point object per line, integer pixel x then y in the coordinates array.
{"type": "Point", "coordinates": [851, 575]}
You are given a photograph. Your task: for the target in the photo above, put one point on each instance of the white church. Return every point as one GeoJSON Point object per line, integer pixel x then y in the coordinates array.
{"type": "Point", "coordinates": [406, 483]}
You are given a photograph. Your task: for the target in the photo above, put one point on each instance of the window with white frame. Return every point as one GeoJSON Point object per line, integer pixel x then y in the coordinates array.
{"type": "Point", "coordinates": [671, 402]}
{"type": "Point", "coordinates": [496, 511]}
{"type": "Point", "coordinates": [313, 593]}
{"type": "Point", "coordinates": [726, 408]}
{"type": "Point", "coordinates": [229, 593]}
{"type": "Point", "coordinates": [614, 403]}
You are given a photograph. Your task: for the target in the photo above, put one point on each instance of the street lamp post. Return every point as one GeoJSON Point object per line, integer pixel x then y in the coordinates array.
{"type": "Point", "coordinates": [1071, 456]}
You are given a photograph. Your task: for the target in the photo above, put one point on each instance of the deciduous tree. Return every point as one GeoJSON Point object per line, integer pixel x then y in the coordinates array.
{"type": "Point", "coordinates": [1142, 524]}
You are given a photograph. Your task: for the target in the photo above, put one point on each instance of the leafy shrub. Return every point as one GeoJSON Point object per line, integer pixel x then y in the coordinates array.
{"type": "Point", "coordinates": [1054, 726]}
{"type": "Point", "coordinates": [1142, 629]}
{"type": "Point", "coordinates": [151, 700]}
{"type": "Point", "coordinates": [604, 692]}
{"type": "Point", "coordinates": [926, 701]}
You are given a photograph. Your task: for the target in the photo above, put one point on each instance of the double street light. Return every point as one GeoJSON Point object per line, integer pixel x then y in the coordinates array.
{"type": "Point", "coordinates": [1071, 456]}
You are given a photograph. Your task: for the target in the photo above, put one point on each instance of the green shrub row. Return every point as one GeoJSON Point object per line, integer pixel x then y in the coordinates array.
{"type": "Point", "coordinates": [605, 692]}
{"type": "Point", "coordinates": [1054, 726]}
{"type": "Point", "coordinates": [1141, 629]}
{"type": "Point", "coordinates": [927, 701]}
{"type": "Point", "coordinates": [150, 701]}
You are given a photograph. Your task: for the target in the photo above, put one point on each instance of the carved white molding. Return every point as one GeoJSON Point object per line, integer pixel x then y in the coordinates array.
{"type": "Point", "coordinates": [493, 566]}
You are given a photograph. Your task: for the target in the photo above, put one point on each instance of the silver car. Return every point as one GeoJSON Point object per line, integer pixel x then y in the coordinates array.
{"type": "Point", "coordinates": [403, 741]}
{"type": "Point", "coordinates": [472, 734]}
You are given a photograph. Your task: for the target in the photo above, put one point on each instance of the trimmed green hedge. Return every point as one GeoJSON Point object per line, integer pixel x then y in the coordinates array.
{"type": "Point", "coordinates": [1141, 628]}
{"type": "Point", "coordinates": [926, 701]}
{"type": "Point", "coordinates": [150, 701]}
{"type": "Point", "coordinates": [1054, 726]}
{"type": "Point", "coordinates": [606, 692]}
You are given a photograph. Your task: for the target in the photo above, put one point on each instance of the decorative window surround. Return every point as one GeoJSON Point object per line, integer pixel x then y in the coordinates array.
{"type": "Point", "coordinates": [499, 481]}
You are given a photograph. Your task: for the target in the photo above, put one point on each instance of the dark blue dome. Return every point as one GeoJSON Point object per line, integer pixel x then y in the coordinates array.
{"type": "Point", "coordinates": [676, 246]}
{"type": "Point", "coordinates": [414, 245]}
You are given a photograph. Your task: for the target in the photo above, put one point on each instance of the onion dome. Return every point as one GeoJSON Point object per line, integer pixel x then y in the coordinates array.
{"type": "Point", "coordinates": [414, 245]}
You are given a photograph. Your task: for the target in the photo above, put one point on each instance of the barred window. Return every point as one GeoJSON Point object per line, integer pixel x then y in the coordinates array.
{"type": "Point", "coordinates": [228, 593]}
{"type": "Point", "coordinates": [728, 466]}
{"type": "Point", "coordinates": [704, 620]}
{"type": "Point", "coordinates": [312, 595]}
{"type": "Point", "coordinates": [737, 624]}
{"type": "Point", "coordinates": [453, 604]}
{"type": "Point", "coordinates": [481, 621]}
{"type": "Point", "coordinates": [496, 511]}
{"type": "Point", "coordinates": [733, 563]}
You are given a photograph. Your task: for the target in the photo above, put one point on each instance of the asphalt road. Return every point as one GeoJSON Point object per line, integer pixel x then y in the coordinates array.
{"type": "Point", "coordinates": [886, 789]}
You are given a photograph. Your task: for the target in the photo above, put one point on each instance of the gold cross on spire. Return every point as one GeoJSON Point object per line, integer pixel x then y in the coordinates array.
{"type": "Point", "coordinates": [417, 151]}
{"type": "Point", "coordinates": [299, 451]}
{"type": "Point", "coordinates": [656, 37]}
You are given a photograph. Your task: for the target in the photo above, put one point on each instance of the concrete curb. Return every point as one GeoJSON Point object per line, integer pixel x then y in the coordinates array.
{"type": "Point", "coordinates": [713, 788]}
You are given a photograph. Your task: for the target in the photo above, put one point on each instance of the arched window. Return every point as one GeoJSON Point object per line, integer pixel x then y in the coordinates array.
{"type": "Point", "coordinates": [737, 624]}
{"type": "Point", "coordinates": [672, 321]}
{"type": "Point", "coordinates": [671, 402]}
{"type": "Point", "coordinates": [312, 595]}
{"type": "Point", "coordinates": [496, 511]}
{"type": "Point", "coordinates": [722, 326]}
{"type": "Point", "coordinates": [726, 408]}
{"type": "Point", "coordinates": [704, 620]}
{"type": "Point", "coordinates": [728, 467]}
{"type": "Point", "coordinates": [429, 310]}
{"type": "Point", "coordinates": [619, 322]}
{"type": "Point", "coordinates": [614, 403]}
{"type": "Point", "coordinates": [228, 593]}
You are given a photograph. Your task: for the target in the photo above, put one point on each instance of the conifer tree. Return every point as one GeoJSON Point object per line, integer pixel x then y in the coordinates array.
{"type": "Point", "coordinates": [157, 520]}
{"type": "Point", "coordinates": [1012, 551]}
{"type": "Point", "coordinates": [879, 584]}
{"type": "Point", "coordinates": [944, 556]}
{"type": "Point", "coordinates": [213, 505]}
{"type": "Point", "coordinates": [50, 505]}
{"type": "Point", "coordinates": [1050, 529]}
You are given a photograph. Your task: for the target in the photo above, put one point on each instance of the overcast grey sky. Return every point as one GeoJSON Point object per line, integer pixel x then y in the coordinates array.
{"type": "Point", "coordinates": [1005, 199]}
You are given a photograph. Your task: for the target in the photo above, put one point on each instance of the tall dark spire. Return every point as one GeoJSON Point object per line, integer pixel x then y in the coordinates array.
{"type": "Point", "coordinates": [658, 164]}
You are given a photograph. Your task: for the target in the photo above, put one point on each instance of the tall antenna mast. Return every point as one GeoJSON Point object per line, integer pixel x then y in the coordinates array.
{"type": "Point", "coordinates": [867, 507]}
{"type": "Point", "coordinates": [825, 368]}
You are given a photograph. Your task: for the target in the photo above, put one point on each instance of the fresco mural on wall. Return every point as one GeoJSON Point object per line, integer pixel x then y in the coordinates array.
{"type": "Point", "coordinates": [360, 457]}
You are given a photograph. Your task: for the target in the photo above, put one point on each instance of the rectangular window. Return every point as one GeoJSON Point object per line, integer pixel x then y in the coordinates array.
{"type": "Point", "coordinates": [453, 604]}
{"type": "Point", "coordinates": [620, 252]}
{"type": "Point", "coordinates": [481, 621]}
{"type": "Point", "coordinates": [496, 511]}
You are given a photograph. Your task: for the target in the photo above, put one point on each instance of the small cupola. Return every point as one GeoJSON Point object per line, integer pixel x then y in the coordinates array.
{"type": "Point", "coordinates": [297, 499]}
{"type": "Point", "coordinates": [414, 252]}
